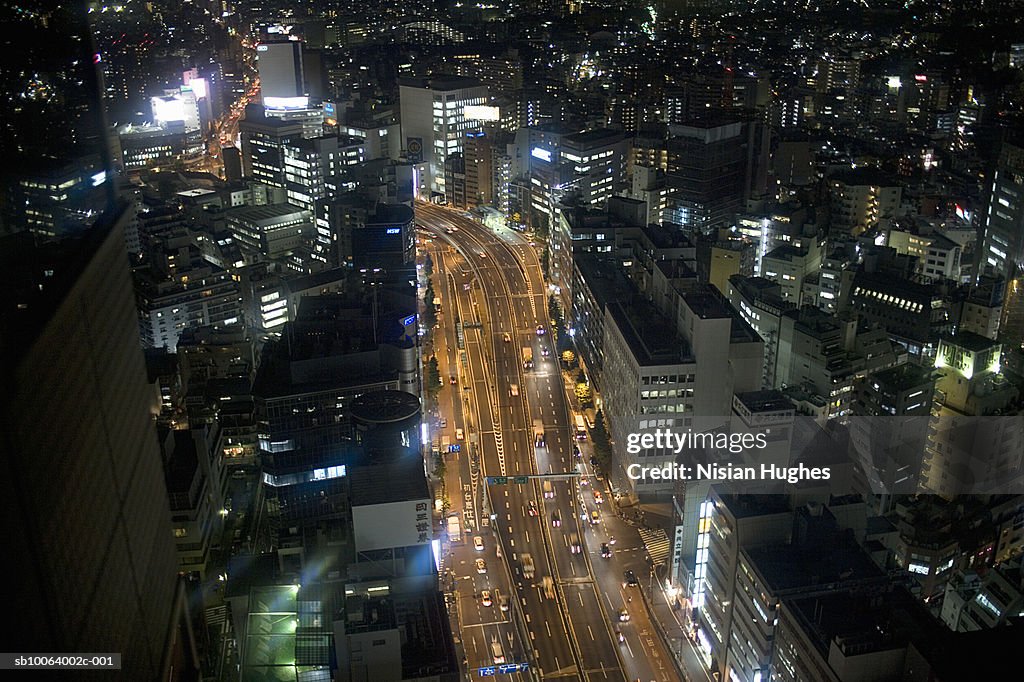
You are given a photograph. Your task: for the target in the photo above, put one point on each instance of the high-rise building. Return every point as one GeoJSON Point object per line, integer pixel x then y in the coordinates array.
{"type": "Point", "coordinates": [435, 123]}
{"type": "Point", "coordinates": [706, 173]}
{"type": "Point", "coordinates": [281, 76]}
{"type": "Point", "coordinates": [85, 507]}
{"type": "Point", "coordinates": [1003, 246]}
{"type": "Point", "coordinates": [85, 504]}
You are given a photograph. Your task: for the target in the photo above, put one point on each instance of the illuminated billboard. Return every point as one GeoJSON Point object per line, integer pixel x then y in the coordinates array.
{"type": "Point", "coordinates": [481, 113]}
{"type": "Point", "coordinates": [167, 109]}
{"type": "Point", "coordinates": [198, 86]}
{"type": "Point", "coordinates": [283, 103]}
{"type": "Point", "coordinates": [541, 153]}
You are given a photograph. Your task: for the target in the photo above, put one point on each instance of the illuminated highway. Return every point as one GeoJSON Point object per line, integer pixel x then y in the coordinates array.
{"type": "Point", "coordinates": [493, 287]}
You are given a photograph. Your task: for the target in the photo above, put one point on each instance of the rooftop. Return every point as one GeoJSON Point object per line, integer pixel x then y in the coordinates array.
{"type": "Point", "coordinates": [397, 480]}
{"type": "Point", "coordinates": [650, 336]}
{"type": "Point", "coordinates": [970, 341]}
{"type": "Point", "coordinates": [765, 401]}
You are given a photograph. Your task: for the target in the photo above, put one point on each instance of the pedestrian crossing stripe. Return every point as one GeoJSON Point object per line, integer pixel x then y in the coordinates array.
{"type": "Point", "coordinates": [657, 544]}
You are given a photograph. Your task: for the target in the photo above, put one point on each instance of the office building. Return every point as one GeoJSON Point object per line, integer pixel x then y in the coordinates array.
{"type": "Point", "coordinates": [706, 173]}
{"type": "Point", "coordinates": [150, 146]}
{"type": "Point", "coordinates": [264, 140]}
{"type": "Point", "coordinates": [176, 289]}
{"type": "Point", "coordinates": [938, 256]}
{"type": "Point", "coordinates": [1003, 240]}
{"type": "Point", "coordinates": [435, 123]}
{"type": "Point", "coordinates": [760, 303]}
{"type": "Point", "coordinates": [913, 312]}
{"type": "Point", "coordinates": [281, 76]}
{"type": "Point", "coordinates": [270, 231]}
{"type": "Point", "coordinates": [92, 478]}
{"type": "Point", "coordinates": [826, 354]}
{"type": "Point", "coordinates": [891, 412]}
{"type": "Point", "coordinates": [667, 372]}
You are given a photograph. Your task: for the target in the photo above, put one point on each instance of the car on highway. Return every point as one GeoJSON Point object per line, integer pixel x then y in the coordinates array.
{"type": "Point", "coordinates": [556, 519]}
{"type": "Point", "coordinates": [452, 380]}
{"type": "Point", "coordinates": [623, 616]}
{"type": "Point", "coordinates": [444, 423]}
{"type": "Point", "coordinates": [481, 566]}
{"type": "Point", "coordinates": [598, 497]}
{"type": "Point", "coordinates": [496, 652]}
{"type": "Point", "coordinates": [544, 351]}
{"type": "Point", "coordinates": [548, 583]}
{"type": "Point", "coordinates": [485, 598]}
{"type": "Point", "coordinates": [478, 543]}
{"type": "Point", "coordinates": [606, 551]}
{"type": "Point", "coordinates": [549, 490]}
{"type": "Point", "coordinates": [629, 578]}
{"type": "Point", "coordinates": [502, 600]}
{"type": "Point", "coordinates": [540, 330]}
{"type": "Point", "coordinates": [513, 390]}
{"type": "Point", "coordinates": [506, 337]}
{"type": "Point", "coordinates": [531, 508]}
{"type": "Point", "coordinates": [574, 544]}
{"type": "Point", "coordinates": [595, 518]}
{"type": "Point", "coordinates": [459, 434]}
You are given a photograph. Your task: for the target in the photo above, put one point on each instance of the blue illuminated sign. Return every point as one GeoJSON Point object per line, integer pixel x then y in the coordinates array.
{"type": "Point", "coordinates": [503, 669]}
{"type": "Point", "coordinates": [409, 320]}
{"type": "Point", "coordinates": [394, 230]}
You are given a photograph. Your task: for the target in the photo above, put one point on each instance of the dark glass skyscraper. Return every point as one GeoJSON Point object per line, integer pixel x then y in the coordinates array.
{"type": "Point", "coordinates": [84, 504]}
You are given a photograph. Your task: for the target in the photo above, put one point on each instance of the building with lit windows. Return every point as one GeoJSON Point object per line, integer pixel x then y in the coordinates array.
{"type": "Point", "coordinates": [150, 146]}
{"type": "Point", "coordinates": [862, 199]}
{"type": "Point", "coordinates": [677, 373]}
{"type": "Point", "coordinates": [828, 353]}
{"type": "Point", "coordinates": [971, 446]}
{"type": "Point", "coordinates": [179, 290]}
{"type": "Point", "coordinates": [58, 200]}
{"type": "Point", "coordinates": [1003, 241]}
{"type": "Point", "coordinates": [263, 147]}
{"type": "Point", "coordinates": [434, 124]}
{"type": "Point", "coordinates": [707, 161]}
{"type": "Point", "coordinates": [790, 265]}
{"type": "Point", "coordinates": [271, 231]}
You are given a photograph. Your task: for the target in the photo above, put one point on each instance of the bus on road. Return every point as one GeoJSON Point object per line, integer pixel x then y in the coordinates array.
{"type": "Point", "coordinates": [581, 428]}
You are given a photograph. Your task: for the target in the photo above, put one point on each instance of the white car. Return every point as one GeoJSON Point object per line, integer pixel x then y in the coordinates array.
{"type": "Point", "coordinates": [502, 600]}
{"type": "Point", "coordinates": [459, 435]}
{"type": "Point", "coordinates": [499, 656]}
{"type": "Point", "coordinates": [485, 598]}
{"type": "Point", "coordinates": [506, 337]}
{"type": "Point", "coordinates": [478, 543]}
{"type": "Point", "coordinates": [481, 566]}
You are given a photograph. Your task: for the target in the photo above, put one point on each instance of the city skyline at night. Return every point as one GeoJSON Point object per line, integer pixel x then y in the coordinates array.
{"type": "Point", "coordinates": [665, 340]}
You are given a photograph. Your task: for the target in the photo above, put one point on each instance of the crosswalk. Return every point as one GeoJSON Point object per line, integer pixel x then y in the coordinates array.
{"type": "Point", "coordinates": [657, 544]}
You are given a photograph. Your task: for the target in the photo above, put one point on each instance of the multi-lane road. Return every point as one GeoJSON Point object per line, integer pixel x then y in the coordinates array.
{"type": "Point", "coordinates": [564, 620]}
